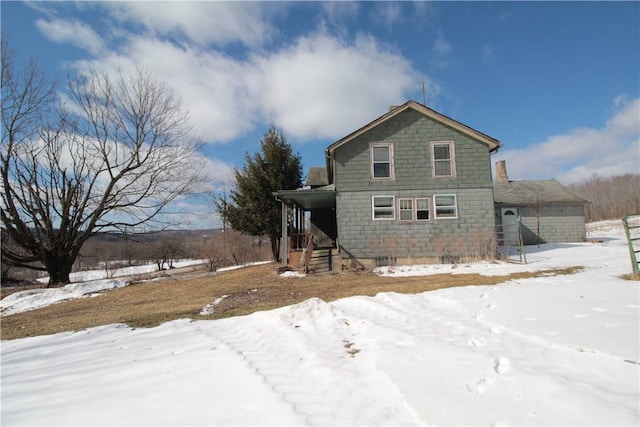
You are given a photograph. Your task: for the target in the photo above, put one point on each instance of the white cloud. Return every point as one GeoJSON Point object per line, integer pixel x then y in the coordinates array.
{"type": "Point", "coordinates": [220, 174]}
{"type": "Point", "coordinates": [441, 52]}
{"type": "Point", "coordinates": [338, 15]}
{"type": "Point", "coordinates": [620, 100]}
{"type": "Point", "coordinates": [580, 153]}
{"type": "Point", "coordinates": [424, 12]}
{"type": "Point", "coordinates": [73, 32]}
{"type": "Point", "coordinates": [339, 11]}
{"type": "Point", "coordinates": [387, 14]}
{"type": "Point", "coordinates": [318, 87]}
{"type": "Point", "coordinates": [200, 22]}
{"type": "Point", "coordinates": [322, 87]}
{"type": "Point", "coordinates": [212, 86]}
{"type": "Point", "coordinates": [441, 46]}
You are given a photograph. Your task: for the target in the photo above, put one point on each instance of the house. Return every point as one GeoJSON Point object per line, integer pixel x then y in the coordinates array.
{"type": "Point", "coordinates": [412, 185]}
{"type": "Point", "coordinates": [548, 211]}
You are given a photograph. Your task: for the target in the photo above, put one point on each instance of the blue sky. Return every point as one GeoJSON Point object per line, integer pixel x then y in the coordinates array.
{"type": "Point", "coordinates": [558, 83]}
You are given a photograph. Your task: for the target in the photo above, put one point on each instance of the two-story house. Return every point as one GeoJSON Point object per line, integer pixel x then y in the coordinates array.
{"type": "Point", "coordinates": [411, 185]}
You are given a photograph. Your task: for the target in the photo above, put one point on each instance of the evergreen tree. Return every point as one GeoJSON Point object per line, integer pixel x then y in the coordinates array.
{"type": "Point", "coordinates": [252, 208]}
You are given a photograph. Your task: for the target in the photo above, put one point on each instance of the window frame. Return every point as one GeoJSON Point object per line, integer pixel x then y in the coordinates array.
{"type": "Point", "coordinates": [451, 160]}
{"type": "Point", "coordinates": [454, 206]}
{"type": "Point", "coordinates": [372, 161]}
{"type": "Point", "coordinates": [429, 210]}
{"type": "Point", "coordinates": [392, 208]}
{"type": "Point", "coordinates": [414, 210]}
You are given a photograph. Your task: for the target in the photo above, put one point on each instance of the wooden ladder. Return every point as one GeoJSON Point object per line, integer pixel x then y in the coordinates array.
{"type": "Point", "coordinates": [632, 230]}
{"type": "Point", "coordinates": [509, 240]}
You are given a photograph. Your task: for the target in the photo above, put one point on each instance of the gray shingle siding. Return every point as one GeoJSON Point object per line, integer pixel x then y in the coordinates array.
{"type": "Point", "coordinates": [559, 218]}
{"type": "Point", "coordinates": [411, 134]}
{"type": "Point", "coordinates": [361, 237]}
{"type": "Point", "coordinates": [553, 223]}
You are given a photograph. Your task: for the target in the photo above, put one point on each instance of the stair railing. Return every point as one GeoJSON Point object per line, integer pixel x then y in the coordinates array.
{"type": "Point", "coordinates": [307, 253]}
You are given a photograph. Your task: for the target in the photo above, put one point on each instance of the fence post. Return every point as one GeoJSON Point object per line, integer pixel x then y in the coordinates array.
{"type": "Point", "coordinates": [523, 255]}
{"type": "Point", "coordinates": [630, 239]}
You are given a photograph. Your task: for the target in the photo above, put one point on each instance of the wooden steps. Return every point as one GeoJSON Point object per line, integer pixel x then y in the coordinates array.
{"type": "Point", "coordinates": [320, 261]}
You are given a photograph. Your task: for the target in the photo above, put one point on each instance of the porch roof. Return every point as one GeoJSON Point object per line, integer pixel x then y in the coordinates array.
{"type": "Point", "coordinates": [310, 198]}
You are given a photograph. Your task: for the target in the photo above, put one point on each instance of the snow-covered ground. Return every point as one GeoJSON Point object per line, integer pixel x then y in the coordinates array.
{"type": "Point", "coordinates": [83, 276]}
{"type": "Point", "coordinates": [85, 283]}
{"type": "Point", "coordinates": [554, 350]}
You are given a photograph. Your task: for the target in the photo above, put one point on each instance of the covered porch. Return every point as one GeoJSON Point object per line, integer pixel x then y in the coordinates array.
{"type": "Point", "coordinates": [309, 230]}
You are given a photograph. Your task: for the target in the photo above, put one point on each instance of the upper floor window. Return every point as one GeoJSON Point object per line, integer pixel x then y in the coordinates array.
{"type": "Point", "coordinates": [443, 159]}
{"type": "Point", "coordinates": [381, 161]}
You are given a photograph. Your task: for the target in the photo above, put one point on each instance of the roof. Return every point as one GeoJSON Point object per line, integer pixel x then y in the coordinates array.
{"type": "Point", "coordinates": [310, 198]}
{"type": "Point", "coordinates": [492, 143]}
{"type": "Point", "coordinates": [532, 192]}
{"type": "Point", "coordinates": [317, 176]}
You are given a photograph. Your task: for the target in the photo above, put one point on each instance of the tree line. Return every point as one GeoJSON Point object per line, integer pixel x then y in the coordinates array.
{"type": "Point", "coordinates": [610, 198]}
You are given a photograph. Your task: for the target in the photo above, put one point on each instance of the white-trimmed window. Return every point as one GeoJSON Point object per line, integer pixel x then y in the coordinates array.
{"type": "Point", "coordinates": [446, 206]}
{"type": "Point", "coordinates": [381, 161]}
{"type": "Point", "coordinates": [405, 208]}
{"type": "Point", "coordinates": [414, 209]}
{"type": "Point", "coordinates": [422, 209]}
{"type": "Point", "coordinates": [443, 162]}
{"type": "Point", "coordinates": [383, 207]}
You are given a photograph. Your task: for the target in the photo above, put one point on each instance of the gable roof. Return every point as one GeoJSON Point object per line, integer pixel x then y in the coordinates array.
{"type": "Point", "coordinates": [492, 143]}
{"type": "Point", "coordinates": [531, 192]}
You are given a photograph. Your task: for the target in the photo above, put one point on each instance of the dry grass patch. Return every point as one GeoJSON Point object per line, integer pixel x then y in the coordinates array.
{"type": "Point", "coordinates": [247, 290]}
{"type": "Point", "coordinates": [631, 276]}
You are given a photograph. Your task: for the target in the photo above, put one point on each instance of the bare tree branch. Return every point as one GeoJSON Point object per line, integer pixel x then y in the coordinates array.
{"type": "Point", "coordinates": [115, 158]}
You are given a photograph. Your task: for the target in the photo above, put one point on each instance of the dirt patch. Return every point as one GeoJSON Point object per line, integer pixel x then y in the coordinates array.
{"type": "Point", "coordinates": [631, 276]}
{"type": "Point", "coordinates": [237, 292]}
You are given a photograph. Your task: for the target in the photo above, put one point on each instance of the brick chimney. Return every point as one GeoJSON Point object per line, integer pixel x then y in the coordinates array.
{"type": "Point", "coordinates": [501, 171]}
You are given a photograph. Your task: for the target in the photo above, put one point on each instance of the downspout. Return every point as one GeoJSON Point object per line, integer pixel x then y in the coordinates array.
{"type": "Point", "coordinates": [331, 174]}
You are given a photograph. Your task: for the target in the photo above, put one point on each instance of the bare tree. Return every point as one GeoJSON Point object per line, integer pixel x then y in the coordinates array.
{"type": "Point", "coordinates": [212, 250]}
{"type": "Point", "coordinates": [117, 155]}
{"type": "Point", "coordinates": [610, 197]}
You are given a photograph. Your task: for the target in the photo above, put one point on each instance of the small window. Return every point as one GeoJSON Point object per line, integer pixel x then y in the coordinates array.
{"type": "Point", "coordinates": [446, 206]}
{"type": "Point", "coordinates": [383, 207]}
{"type": "Point", "coordinates": [406, 209]}
{"type": "Point", "coordinates": [381, 161]}
{"type": "Point", "coordinates": [411, 210]}
{"type": "Point", "coordinates": [443, 159]}
{"type": "Point", "coordinates": [422, 209]}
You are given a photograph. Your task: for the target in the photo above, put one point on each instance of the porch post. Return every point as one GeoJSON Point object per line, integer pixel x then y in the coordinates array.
{"type": "Point", "coordinates": [284, 239]}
